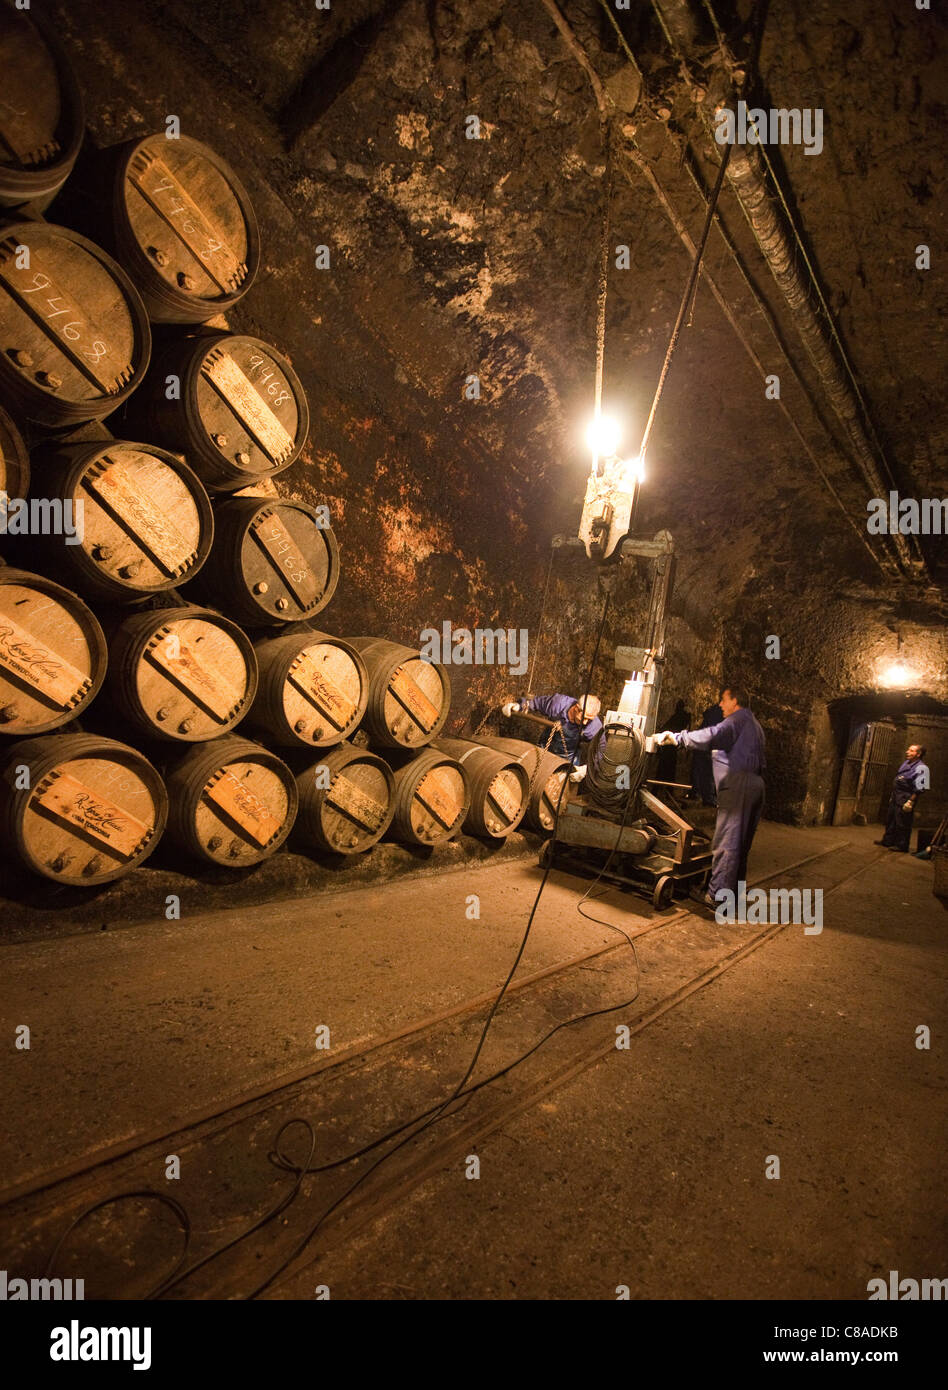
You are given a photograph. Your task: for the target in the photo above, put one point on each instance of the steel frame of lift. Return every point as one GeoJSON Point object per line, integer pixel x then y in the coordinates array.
{"type": "Point", "coordinates": [650, 847]}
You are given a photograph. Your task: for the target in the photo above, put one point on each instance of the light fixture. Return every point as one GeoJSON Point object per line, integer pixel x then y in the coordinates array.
{"type": "Point", "coordinates": [603, 436]}
{"type": "Point", "coordinates": [897, 676]}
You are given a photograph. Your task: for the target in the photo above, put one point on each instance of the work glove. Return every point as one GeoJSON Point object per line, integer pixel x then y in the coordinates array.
{"type": "Point", "coordinates": [666, 736]}
{"type": "Point", "coordinates": [511, 707]}
{"type": "Point", "coordinates": [578, 773]}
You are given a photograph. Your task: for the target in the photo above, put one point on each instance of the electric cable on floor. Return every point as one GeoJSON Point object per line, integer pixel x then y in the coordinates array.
{"type": "Point", "coordinates": [456, 1093]}
{"type": "Point", "coordinates": [423, 1121]}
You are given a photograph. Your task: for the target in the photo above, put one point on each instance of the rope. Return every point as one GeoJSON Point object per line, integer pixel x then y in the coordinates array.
{"type": "Point", "coordinates": [686, 298]}
{"type": "Point", "coordinates": [603, 283]}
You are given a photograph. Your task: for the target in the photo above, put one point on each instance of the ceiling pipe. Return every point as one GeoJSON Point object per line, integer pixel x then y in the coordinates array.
{"type": "Point", "coordinates": [884, 559]}
{"type": "Point", "coordinates": [775, 240]}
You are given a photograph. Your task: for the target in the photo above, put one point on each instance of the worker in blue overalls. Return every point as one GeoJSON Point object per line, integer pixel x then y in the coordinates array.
{"type": "Point", "coordinates": [578, 724]}
{"type": "Point", "coordinates": [910, 781]}
{"type": "Point", "coordinates": [737, 760]}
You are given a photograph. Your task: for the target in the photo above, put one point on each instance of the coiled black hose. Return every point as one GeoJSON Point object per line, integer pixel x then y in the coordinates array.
{"type": "Point", "coordinates": [614, 749]}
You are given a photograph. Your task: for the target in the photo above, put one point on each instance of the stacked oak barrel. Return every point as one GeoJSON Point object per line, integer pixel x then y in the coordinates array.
{"type": "Point", "coordinates": [162, 669]}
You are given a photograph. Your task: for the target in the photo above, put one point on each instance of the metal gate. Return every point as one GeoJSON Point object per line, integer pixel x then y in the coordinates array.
{"type": "Point", "coordinates": [862, 783]}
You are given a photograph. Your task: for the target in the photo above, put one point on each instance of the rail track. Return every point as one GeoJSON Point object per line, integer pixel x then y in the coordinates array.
{"type": "Point", "coordinates": [361, 1093]}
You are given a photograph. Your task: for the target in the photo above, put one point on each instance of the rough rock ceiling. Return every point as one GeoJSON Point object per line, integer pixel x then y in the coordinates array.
{"type": "Point", "coordinates": [498, 237]}
{"type": "Point", "coordinates": [463, 256]}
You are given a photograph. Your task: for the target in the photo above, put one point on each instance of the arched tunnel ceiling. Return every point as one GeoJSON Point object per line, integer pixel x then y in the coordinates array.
{"type": "Point", "coordinates": [467, 256]}
{"type": "Point", "coordinates": [500, 236]}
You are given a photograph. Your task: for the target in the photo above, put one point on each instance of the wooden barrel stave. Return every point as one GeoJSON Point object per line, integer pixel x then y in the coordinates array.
{"type": "Point", "coordinates": [357, 808]}
{"type": "Point", "coordinates": [499, 787]}
{"type": "Point", "coordinates": [41, 116]}
{"type": "Point", "coordinates": [409, 698]}
{"type": "Point", "coordinates": [14, 459]}
{"type": "Point", "coordinates": [182, 674]}
{"type": "Point", "coordinates": [147, 519]}
{"type": "Point", "coordinates": [431, 796]}
{"type": "Point", "coordinates": [53, 654]}
{"type": "Point", "coordinates": [312, 690]}
{"type": "Point", "coordinates": [184, 229]}
{"type": "Point", "coordinates": [546, 771]}
{"type": "Point", "coordinates": [242, 413]}
{"type": "Point", "coordinates": [94, 808]}
{"type": "Point", "coordinates": [271, 562]}
{"type": "Point", "coordinates": [75, 335]}
{"type": "Point", "coordinates": [232, 802]}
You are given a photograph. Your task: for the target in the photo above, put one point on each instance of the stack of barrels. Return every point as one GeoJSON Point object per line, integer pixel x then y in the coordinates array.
{"type": "Point", "coordinates": [142, 597]}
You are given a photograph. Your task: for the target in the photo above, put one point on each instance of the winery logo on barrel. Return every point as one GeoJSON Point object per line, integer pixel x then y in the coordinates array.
{"type": "Point", "coordinates": [35, 664]}
{"type": "Point", "coordinates": [96, 817]}
{"type": "Point", "coordinates": [63, 796]}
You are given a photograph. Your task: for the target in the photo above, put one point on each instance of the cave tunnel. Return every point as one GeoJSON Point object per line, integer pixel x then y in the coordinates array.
{"type": "Point", "coordinates": [474, 664]}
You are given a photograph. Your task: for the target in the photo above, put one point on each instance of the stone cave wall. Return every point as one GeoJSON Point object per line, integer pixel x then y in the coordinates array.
{"type": "Point", "coordinates": [452, 257]}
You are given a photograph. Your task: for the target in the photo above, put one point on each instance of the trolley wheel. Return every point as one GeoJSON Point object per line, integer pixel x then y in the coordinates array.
{"type": "Point", "coordinates": [664, 892]}
{"type": "Point", "coordinates": [546, 854]}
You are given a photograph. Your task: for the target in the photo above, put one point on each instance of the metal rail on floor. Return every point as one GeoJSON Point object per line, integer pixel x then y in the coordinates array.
{"type": "Point", "coordinates": [381, 1197]}
{"type": "Point", "coordinates": [272, 1091]}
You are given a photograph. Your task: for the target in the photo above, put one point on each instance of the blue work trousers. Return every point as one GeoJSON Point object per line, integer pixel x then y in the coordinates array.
{"type": "Point", "coordinates": [740, 803]}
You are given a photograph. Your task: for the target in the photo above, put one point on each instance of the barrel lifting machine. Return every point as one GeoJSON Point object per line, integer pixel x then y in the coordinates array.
{"type": "Point", "coordinates": [618, 822]}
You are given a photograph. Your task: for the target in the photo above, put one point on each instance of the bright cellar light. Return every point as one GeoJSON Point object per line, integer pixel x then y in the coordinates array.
{"type": "Point", "coordinates": [897, 675]}
{"type": "Point", "coordinates": [603, 436]}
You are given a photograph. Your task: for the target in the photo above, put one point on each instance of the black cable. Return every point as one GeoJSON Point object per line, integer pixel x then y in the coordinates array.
{"type": "Point", "coordinates": [427, 1117]}
{"type": "Point", "coordinates": [430, 1118]}
{"type": "Point", "coordinates": [602, 779]}
{"type": "Point", "coordinates": [418, 1123]}
{"type": "Point", "coordinates": [285, 1201]}
{"type": "Point", "coordinates": [163, 1197]}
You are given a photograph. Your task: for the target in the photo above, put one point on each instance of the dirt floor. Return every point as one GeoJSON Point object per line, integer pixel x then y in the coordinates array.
{"type": "Point", "coordinates": [590, 1168]}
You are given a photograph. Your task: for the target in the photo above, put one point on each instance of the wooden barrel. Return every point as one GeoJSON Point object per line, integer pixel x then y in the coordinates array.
{"type": "Point", "coordinates": [547, 773]}
{"type": "Point", "coordinates": [147, 523]}
{"type": "Point", "coordinates": [232, 802]}
{"type": "Point", "coordinates": [41, 116]}
{"type": "Point", "coordinates": [74, 333]}
{"type": "Point", "coordinates": [185, 674]}
{"type": "Point", "coordinates": [184, 229]}
{"type": "Point", "coordinates": [312, 690]}
{"type": "Point", "coordinates": [431, 797]}
{"type": "Point", "coordinates": [80, 810]}
{"type": "Point", "coordinates": [355, 809]}
{"type": "Point", "coordinates": [498, 786]}
{"type": "Point", "coordinates": [271, 562]}
{"type": "Point", "coordinates": [409, 698]}
{"type": "Point", "coordinates": [241, 415]}
{"type": "Point", "coordinates": [14, 460]}
{"type": "Point", "coordinates": [53, 655]}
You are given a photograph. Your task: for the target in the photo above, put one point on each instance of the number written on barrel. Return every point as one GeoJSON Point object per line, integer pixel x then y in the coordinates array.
{"type": "Point", "coordinates": [263, 369]}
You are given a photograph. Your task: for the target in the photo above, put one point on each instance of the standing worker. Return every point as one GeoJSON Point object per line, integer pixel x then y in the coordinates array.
{"type": "Point", "coordinates": [910, 781]}
{"type": "Point", "coordinates": [737, 759]}
{"type": "Point", "coordinates": [576, 723]}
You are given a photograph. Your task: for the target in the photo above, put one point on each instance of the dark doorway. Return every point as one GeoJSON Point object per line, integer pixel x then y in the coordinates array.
{"type": "Point", "coordinates": [862, 784]}
{"type": "Point", "coordinates": [872, 732]}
